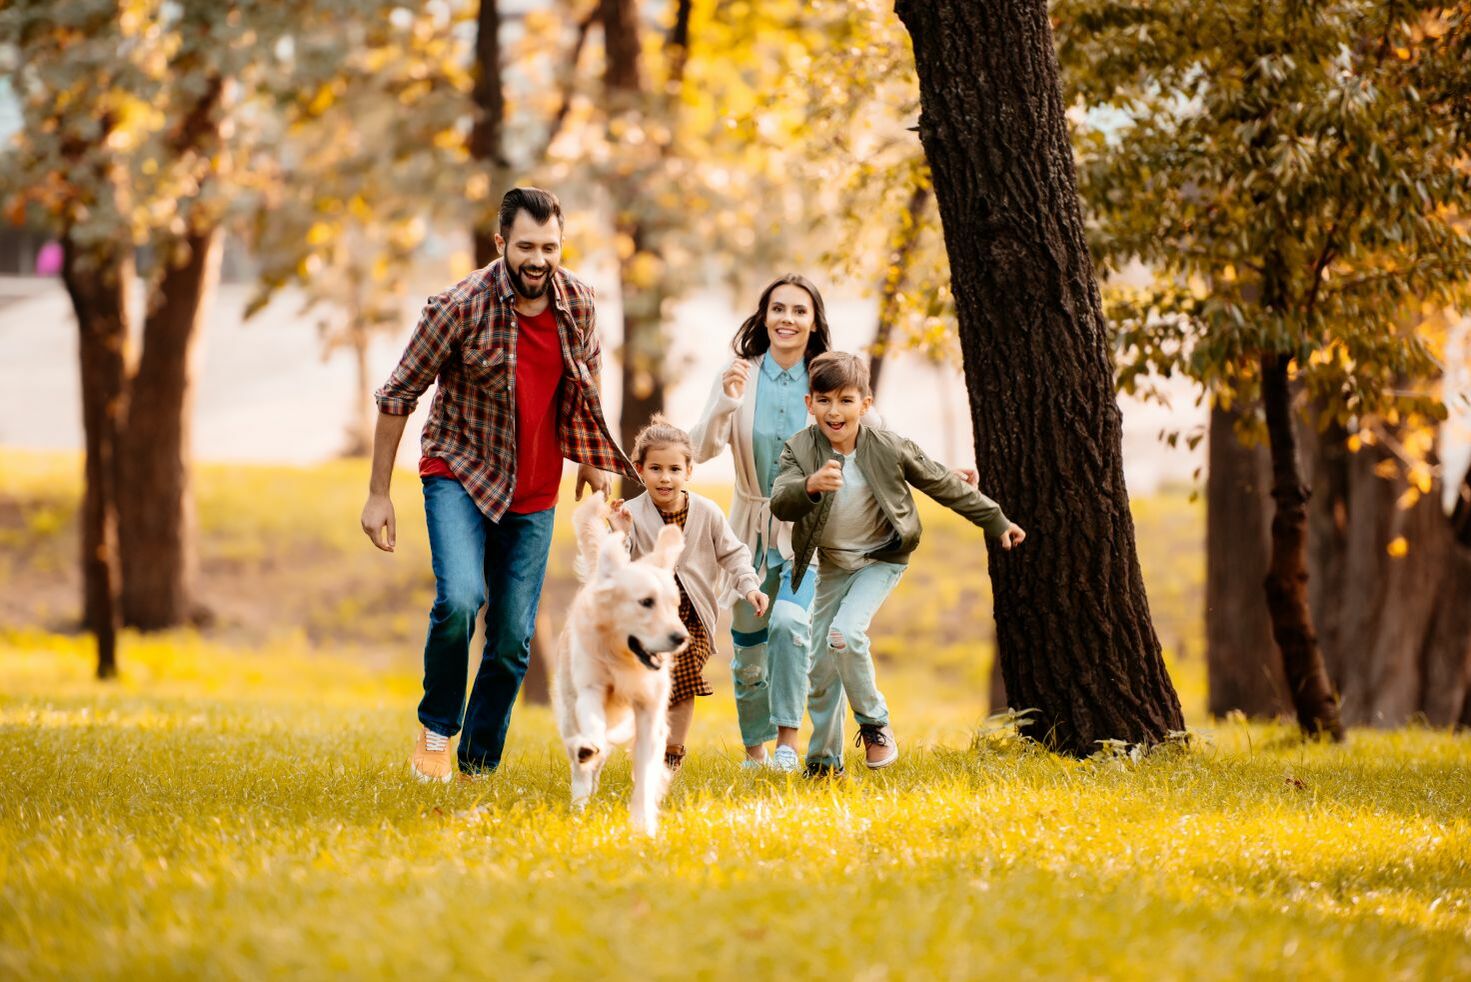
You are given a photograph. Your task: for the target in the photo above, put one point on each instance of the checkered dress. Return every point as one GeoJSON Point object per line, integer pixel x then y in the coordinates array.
{"type": "Point", "coordinates": [466, 339]}
{"type": "Point", "coordinates": [688, 676]}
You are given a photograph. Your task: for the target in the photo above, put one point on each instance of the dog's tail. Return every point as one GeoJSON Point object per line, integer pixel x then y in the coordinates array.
{"type": "Point", "coordinates": [590, 521]}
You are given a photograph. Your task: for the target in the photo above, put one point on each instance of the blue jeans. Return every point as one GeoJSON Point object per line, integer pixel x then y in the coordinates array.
{"type": "Point", "coordinates": [770, 662]}
{"type": "Point", "coordinates": [476, 560]}
{"type": "Point", "coordinates": [844, 607]}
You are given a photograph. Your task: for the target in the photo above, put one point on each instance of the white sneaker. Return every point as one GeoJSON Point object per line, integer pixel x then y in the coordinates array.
{"type": "Point", "coordinates": [785, 759]}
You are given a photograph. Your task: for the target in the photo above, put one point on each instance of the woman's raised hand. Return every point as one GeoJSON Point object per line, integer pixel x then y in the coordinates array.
{"type": "Point", "coordinates": [734, 380]}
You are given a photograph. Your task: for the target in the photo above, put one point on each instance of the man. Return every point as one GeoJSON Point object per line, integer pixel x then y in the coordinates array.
{"type": "Point", "coordinates": [515, 349]}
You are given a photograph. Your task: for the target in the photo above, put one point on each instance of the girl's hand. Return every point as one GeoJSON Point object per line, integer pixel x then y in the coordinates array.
{"type": "Point", "coordinates": [757, 600]}
{"type": "Point", "coordinates": [619, 517]}
{"type": "Point", "coordinates": [1013, 536]}
{"type": "Point", "coordinates": [734, 379]}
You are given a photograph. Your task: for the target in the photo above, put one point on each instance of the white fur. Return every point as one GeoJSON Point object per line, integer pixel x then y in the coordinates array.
{"type": "Point", "coordinates": [603, 694]}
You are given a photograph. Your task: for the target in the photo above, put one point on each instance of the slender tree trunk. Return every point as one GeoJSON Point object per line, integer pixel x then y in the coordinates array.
{"type": "Point", "coordinates": [1287, 576]}
{"type": "Point", "coordinates": [1242, 666]}
{"type": "Point", "coordinates": [486, 143]}
{"type": "Point", "coordinates": [364, 415]}
{"type": "Point", "coordinates": [97, 284]}
{"type": "Point", "coordinates": [996, 698]}
{"type": "Point", "coordinates": [891, 283]}
{"type": "Point", "coordinates": [155, 501]}
{"type": "Point", "coordinates": [641, 278]}
{"type": "Point", "coordinates": [1072, 620]}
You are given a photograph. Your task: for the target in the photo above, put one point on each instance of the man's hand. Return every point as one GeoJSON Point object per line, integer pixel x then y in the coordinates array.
{"type": "Point", "coordinates": [590, 477]}
{"type": "Point", "coordinates": [758, 600]}
{"type": "Point", "coordinates": [378, 521]}
{"type": "Point", "coordinates": [734, 379]}
{"type": "Point", "coordinates": [966, 474]}
{"type": "Point", "coordinates": [620, 517]}
{"type": "Point", "coordinates": [828, 478]}
{"type": "Point", "coordinates": [1013, 536]}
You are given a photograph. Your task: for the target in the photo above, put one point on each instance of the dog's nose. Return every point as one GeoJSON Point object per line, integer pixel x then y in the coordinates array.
{"type": "Point", "coordinates": [677, 638]}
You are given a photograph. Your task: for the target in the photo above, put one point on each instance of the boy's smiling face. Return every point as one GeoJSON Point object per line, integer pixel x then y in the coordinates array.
{"type": "Point", "coordinates": [838, 413]}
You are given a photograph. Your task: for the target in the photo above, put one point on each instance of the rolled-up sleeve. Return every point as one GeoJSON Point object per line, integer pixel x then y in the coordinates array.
{"type": "Point", "coordinates": [435, 337]}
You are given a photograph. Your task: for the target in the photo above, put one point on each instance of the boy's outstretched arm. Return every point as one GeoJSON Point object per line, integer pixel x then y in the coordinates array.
{"type": "Point", "coordinates": [946, 487]}
{"type": "Point", "coordinates": [789, 497]}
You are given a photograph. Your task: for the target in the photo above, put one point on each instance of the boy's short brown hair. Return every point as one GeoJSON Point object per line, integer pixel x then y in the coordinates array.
{"type": "Point", "coordinates": [834, 371]}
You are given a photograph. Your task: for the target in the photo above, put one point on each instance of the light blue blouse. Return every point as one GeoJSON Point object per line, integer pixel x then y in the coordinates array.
{"type": "Point", "coordinates": [781, 412]}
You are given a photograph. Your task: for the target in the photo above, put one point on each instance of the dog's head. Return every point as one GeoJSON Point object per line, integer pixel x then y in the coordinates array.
{"type": "Point", "coordinates": [640, 598]}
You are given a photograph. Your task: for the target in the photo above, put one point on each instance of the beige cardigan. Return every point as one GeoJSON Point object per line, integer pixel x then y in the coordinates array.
{"type": "Point", "coordinates": [712, 553]}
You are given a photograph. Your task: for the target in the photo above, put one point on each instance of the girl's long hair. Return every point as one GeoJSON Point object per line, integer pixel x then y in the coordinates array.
{"type": "Point", "coordinates": [752, 340]}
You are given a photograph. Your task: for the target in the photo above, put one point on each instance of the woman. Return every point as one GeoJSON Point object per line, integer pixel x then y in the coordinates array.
{"type": "Point", "coordinates": [756, 404]}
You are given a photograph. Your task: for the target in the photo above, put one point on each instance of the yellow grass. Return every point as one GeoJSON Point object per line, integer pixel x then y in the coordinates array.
{"type": "Point", "coordinates": [238, 805]}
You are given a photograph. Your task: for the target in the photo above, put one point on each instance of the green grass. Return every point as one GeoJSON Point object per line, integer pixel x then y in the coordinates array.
{"type": "Point", "coordinates": [235, 814]}
{"type": "Point", "coordinates": [237, 804]}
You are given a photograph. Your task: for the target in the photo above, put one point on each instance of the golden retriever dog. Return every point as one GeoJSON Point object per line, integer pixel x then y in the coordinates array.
{"type": "Point", "coordinates": [613, 659]}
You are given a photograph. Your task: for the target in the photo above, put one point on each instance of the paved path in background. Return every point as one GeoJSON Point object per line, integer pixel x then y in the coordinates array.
{"type": "Point", "coordinates": [266, 394]}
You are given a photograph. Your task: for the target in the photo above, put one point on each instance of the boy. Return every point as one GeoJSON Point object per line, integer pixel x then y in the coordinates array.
{"type": "Point", "coordinates": [846, 488]}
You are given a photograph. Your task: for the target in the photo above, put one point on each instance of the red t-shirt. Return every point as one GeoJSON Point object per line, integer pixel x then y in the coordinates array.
{"type": "Point", "coordinates": [538, 452]}
{"type": "Point", "coordinates": [539, 371]}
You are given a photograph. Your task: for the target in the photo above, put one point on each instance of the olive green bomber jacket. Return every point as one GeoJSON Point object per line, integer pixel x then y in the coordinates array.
{"type": "Point", "coordinates": [891, 464]}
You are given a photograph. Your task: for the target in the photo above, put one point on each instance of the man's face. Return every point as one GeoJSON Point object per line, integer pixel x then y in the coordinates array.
{"type": "Point", "coordinates": [533, 252]}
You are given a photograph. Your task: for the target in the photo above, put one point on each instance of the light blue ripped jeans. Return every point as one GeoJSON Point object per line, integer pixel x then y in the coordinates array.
{"type": "Point", "coordinates": [844, 607]}
{"type": "Point", "coordinates": [772, 657]}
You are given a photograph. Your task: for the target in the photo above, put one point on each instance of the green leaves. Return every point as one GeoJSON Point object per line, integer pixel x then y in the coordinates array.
{"type": "Point", "coordinates": [1304, 167]}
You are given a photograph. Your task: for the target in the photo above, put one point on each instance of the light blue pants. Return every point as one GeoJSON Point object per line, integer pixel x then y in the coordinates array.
{"type": "Point", "coordinates": [844, 607]}
{"type": "Point", "coordinates": [771, 659]}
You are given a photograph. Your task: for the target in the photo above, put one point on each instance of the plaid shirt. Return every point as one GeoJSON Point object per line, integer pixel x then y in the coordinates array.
{"type": "Point", "coordinates": [466, 338]}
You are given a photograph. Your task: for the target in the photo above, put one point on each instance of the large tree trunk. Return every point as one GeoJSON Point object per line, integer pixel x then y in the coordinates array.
{"type": "Point", "coordinates": [97, 284]}
{"type": "Point", "coordinates": [1287, 576]}
{"type": "Point", "coordinates": [1242, 667]}
{"type": "Point", "coordinates": [1072, 620]}
{"type": "Point", "coordinates": [486, 145]}
{"type": "Point", "coordinates": [902, 243]}
{"type": "Point", "coordinates": [155, 506]}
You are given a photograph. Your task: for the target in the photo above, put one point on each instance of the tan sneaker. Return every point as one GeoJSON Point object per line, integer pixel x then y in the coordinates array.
{"type": "Point", "coordinates": [432, 760]}
{"type": "Point", "coordinates": [880, 749]}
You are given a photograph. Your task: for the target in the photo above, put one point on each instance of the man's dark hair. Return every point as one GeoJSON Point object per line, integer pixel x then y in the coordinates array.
{"type": "Point", "coordinates": [540, 205]}
{"type": "Point", "coordinates": [834, 371]}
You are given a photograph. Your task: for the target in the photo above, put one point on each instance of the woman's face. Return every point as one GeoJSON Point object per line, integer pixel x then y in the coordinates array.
{"type": "Point", "coordinates": [789, 319]}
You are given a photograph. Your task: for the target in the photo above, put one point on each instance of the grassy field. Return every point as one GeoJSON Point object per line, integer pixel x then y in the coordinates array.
{"type": "Point", "coordinates": [238, 804]}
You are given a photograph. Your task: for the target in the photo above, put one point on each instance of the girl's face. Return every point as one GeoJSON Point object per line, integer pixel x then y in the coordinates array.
{"type": "Point", "coordinates": [789, 320]}
{"type": "Point", "coordinates": [664, 471]}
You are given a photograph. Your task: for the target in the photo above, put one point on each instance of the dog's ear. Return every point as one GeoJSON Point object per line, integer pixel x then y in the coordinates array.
{"type": "Point", "coordinates": [612, 554]}
{"type": "Point", "coordinates": [667, 547]}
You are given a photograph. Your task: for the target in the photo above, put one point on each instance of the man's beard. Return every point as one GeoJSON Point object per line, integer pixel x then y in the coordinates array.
{"type": "Point", "coordinates": [526, 290]}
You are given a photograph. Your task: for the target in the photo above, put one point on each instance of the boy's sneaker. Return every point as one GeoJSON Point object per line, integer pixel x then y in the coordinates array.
{"type": "Point", "coordinates": [821, 768]}
{"type": "Point", "coordinates": [432, 760]}
{"type": "Point", "coordinates": [785, 759]}
{"type": "Point", "coordinates": [879, 747]}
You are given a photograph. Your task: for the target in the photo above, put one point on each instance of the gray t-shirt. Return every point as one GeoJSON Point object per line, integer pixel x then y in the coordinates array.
{"type": "Point", "coordinates": [856, 525]}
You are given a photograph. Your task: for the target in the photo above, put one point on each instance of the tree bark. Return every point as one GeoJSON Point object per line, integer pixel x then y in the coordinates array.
{"type": "Point", "coordinates": [487, 147]}
{"type": "Point", "coordinates": [97, 283]}
{"type": "Point", "coordinates": [1396, 627]}
{"type": "Point", "coordinates": [1243, 670]}
{"type": "Point", "coordinates": [155, 503]}
{"type": "Point", "coordinates": [891, 283]}
{"type": "Point", "coordinates": [1287, 575]}
{"type": "Point", "coordinates": [1072, 620]}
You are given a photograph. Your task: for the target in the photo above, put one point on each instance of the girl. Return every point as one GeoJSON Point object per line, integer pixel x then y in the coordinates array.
{"type": "Point", "coordinates": [662, 456]}
{"type": "Point", "coordinates": [756, 405]}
